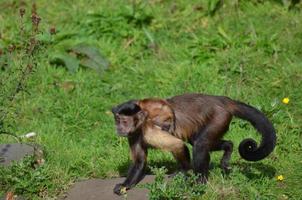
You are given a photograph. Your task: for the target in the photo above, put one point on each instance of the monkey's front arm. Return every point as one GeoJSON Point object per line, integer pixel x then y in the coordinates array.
{"type": "Point", "coordinates": [136, 170]}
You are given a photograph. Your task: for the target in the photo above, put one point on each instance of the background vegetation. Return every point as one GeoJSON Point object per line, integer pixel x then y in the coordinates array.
{"type": "Point", "coordinates": [248, 50]}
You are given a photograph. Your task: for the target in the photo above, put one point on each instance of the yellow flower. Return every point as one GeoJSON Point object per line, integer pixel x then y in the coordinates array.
{"type": "Point", "coordinates": [285, 100]}
{"type": "Point", "coordinates": [280, 178]}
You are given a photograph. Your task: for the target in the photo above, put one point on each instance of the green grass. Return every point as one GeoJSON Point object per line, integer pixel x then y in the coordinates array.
{"type": "Point", "coordinates": [248, 51]}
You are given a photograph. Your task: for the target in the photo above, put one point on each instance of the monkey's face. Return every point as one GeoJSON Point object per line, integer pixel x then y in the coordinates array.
{"type": "Point", "coordinates": [124, 124]}
{"type": "Point", "coordinates": [128, 118]}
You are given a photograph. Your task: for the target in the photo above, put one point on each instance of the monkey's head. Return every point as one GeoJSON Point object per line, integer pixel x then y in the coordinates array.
{"type": "Point", "coordinates": [129, 117]}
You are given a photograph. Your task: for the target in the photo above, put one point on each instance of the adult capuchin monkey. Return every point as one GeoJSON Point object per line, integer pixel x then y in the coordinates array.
{"type": "Point", "coordinates": [199, 119]}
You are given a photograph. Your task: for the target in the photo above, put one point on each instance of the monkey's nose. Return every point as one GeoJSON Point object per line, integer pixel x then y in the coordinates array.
{"type": "Point", "coordinates": [120, 131]}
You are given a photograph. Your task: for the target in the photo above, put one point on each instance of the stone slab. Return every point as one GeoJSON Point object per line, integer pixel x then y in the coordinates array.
{"type": "Point", "coordinates": [102, 189]}
{"type": "Point", "coordinates": [14, 152]}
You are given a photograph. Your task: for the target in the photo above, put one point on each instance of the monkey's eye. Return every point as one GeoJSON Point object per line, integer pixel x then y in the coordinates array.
{"type": "Point", "coordinates": [124, 122]}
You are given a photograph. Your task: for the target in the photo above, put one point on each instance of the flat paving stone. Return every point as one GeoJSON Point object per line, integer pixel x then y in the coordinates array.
{"type": "Point", "coordinates": [102, 189]}
{"type": "Point", "coordinates": [14, 152]}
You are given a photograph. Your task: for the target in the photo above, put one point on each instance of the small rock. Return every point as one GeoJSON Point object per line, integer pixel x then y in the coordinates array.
{"type": "Point", "coordinates": [14, 152]}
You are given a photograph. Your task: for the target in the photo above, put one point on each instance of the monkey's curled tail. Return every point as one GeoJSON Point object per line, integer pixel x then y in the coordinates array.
{"type": "Point", "coordinates": [248, 147]}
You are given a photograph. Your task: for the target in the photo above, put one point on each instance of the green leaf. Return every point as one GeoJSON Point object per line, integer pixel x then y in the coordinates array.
{"type": "Point", "coordinates": [69, 61]}
{"type": "Point", "coordinates": [92, 57]}
{"type": "Point", "coordinates": [90, 64]}
{"type": "Point", "coordinates": [222, 32]}
{"type": "Point", "coordinates": [149, 35]}
{"type": "Point", "coordinates": [214, 6]}
{"type": "Point", "coordinates": [44, 37]}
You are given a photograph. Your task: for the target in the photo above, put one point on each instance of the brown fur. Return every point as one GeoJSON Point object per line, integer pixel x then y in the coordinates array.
{"type": "Point", "coordinates": [159, 112]}
{"type": "Point", "coordinates": [200, 119]}
{"type": "Point", "coordinates": [194, 111]}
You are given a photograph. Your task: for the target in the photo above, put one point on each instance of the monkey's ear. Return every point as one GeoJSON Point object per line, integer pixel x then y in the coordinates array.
{"type": "Point", "coordinates": [142, 114]}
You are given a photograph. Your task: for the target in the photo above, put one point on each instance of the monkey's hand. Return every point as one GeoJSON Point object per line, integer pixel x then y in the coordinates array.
{"type": "Point", "coordinates": [120, 189]}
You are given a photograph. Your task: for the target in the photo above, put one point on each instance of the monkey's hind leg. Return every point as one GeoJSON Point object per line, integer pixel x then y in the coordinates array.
{"type": "Point", "coordinates": [201, 159]}
{"type": "Point", "coordinates": [227, 147]}
{"type": "Point", "coordinates": [206, 140]}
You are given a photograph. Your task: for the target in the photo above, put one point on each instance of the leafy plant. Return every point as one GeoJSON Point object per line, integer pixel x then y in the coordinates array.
{"type": "Point", "coordinates": [24, 179]}
{"type": "Point", "coordinates": [18, 60]}
{"type": "Point", "coordinates": [122, 24]}
{"type": "Point", "coordinates": [180, 187]}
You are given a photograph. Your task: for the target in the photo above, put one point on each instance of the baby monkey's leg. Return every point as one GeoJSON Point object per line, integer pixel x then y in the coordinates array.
{"type": "Point", "coordinates": [163, 140]}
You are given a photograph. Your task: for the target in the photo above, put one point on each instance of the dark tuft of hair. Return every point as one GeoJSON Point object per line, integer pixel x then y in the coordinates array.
{"type": "Point", "coordinates": [128, 108]}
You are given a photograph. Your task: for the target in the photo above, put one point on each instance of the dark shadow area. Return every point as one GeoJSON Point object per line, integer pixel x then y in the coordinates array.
{"type": "Point", "coordinates": [250, 170]}
{"type": "Point", "coordinates": [291, 5]}
{"type": "Point", "coordinates": [292, 2]}
{"type": "Point", "coordinates": [171, 167]}
{"type": "Point", "coordinates": [3, 150]}
{"type": "Point", "coordinates": [123, 168]}
{"type": "Point", "coordinates": [256, 170]}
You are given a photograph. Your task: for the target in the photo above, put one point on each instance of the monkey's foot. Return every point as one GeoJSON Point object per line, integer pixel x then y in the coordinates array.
{"type": "Point", "coordinates": [120, 189]}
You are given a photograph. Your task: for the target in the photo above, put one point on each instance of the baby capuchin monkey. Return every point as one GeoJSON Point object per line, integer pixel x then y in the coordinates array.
{"type": "Point", "coordinates": [159, 112]}
{"type": "Point", "coordinates": [202, 120]}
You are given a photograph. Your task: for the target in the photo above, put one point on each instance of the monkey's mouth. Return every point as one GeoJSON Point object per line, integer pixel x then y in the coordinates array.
{"type": "Point", "coordinates": [122, 134]}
